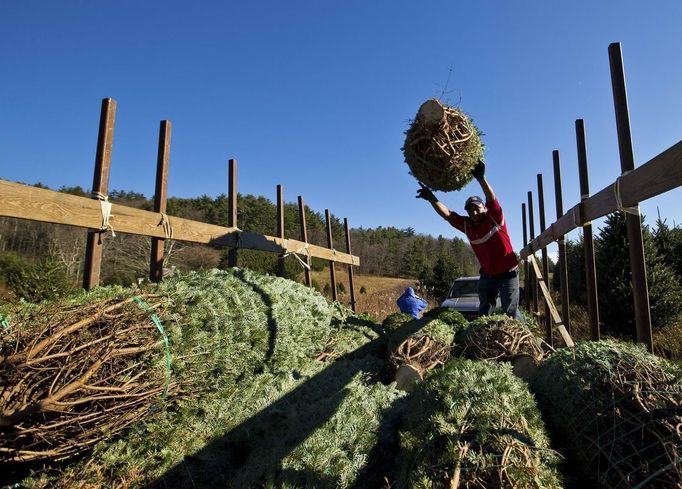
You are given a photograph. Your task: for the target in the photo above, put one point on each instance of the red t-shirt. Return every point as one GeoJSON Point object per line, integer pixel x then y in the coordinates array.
{"type": "Point", "coordinates": [489, 239]}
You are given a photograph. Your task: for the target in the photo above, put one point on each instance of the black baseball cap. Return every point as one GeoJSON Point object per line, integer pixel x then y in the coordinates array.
{"type": "Point", "coordinates": [473, 200]}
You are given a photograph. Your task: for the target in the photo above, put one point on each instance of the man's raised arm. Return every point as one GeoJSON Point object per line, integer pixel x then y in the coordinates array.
{"type": "Point", "coordinates": [425, 193]}
{"type": "Point", "coordinates": [479, 174]}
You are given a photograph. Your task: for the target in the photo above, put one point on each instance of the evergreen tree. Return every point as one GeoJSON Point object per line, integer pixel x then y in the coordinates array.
{"type": "Point", "coordinates": [614, 280]}
{"type": "Point", "coordinates": [668, 243]}
{"type": "Point", "coordinates": [445, 271]}
{"type": "Point", "coordinates": [575, 264]}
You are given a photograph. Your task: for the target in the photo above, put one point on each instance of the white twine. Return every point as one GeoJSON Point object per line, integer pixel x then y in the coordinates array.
{"type": "Point", "coordinates": [105, 207]}
{"type": "Point", "coordinates": [167, 226]}
{"type": "Point", "coordinates": [291, 253]}
{"type": "Point", "coordinates": [634, 210]}
{"type": "Point", "coordinates": [168, 233]}
{"type": "Point", "coordinates": [295, 254]}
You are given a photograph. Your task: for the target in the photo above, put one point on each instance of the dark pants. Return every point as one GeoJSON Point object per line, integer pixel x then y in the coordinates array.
{"type": "Point", "coordinates": [506, 285]}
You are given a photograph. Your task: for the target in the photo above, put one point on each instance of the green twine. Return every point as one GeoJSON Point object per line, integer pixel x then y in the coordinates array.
{"type": "Point", "coordinates": [155, 319]}
{"type": "Point", "coordinates": [5, 324]}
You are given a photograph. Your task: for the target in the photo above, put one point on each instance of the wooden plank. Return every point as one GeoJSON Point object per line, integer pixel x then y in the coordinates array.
{"type": "Point", "coordinates": [304, 237]}
{"type": "Point", "coordinates": [330, 244]}
{"type": "Point", "coordinates": [633, 221]}
{"type": "Point", "coordinates": [562, 265]}
{"type": "Point", "coordinates": [232, 208]}
{"type": "Point", "coordinates": [280, 227]}
{"type": "Point", "coordinates": [588, 241]}
{"type": "Point", "coordinates": [548, 300]}
{"type": "Point", "coordinates": [253, 241]}
{"type": "Point", "coordinates": [37, 204]}
{"type": "Point", "coordinates": [545, 257]}
{"type": "Point", "coordinates": [531, 225]}
{"type": "Point", "coordinates": [100, 186]}
{"type": "Point", "coordinates": [350, 267]}
{"type": "Point", "coordinates": [526, 266]}
{"type": "Point", "coordinates": [660, 174]}
{"type": "Point", "coordinates": [160, 194]}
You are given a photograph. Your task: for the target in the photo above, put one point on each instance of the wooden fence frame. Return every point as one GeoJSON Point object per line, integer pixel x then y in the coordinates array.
{"type": "Point", "coordinates": [98, 215]}
{"type": "Point", "coordinates": [660, 174]}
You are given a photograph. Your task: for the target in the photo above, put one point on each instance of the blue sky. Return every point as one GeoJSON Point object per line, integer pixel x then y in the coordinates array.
{"type": "Point", "coordinates": [316, 96]}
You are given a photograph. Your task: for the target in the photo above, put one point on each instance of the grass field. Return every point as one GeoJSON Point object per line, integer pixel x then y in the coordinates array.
{"type": "Point", "coordinates": [380, 293]}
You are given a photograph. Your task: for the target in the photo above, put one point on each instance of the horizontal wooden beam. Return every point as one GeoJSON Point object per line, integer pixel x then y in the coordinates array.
{"type": "Point", "coordinates": [254, 241]}
{"type": "Point", "coordinates": [38, 204]}
{"type": "Point", "coordinates": [659, 175]}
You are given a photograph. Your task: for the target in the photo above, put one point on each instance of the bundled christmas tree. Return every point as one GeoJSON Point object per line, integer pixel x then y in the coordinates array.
{"type": "Point", "coordinates": [442, 146]}
{"type": "Point", "coordinates": [473, 424]}
{"type": "Point", "coordinates": [617, 411]}
{"type": "Point", "coordinates": [249, 379]}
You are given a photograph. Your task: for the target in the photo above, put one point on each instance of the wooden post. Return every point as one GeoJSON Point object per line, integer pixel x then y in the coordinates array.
{"type": "Point", "coordinates": [545, 259]}
{"type": "Point", "coordinates": [304, 238]}
{"type": "Point", "coordinates": [160, 197]}
{"type": "Point", "coordinates": [562, 265]}
{"type": "Point", "coordinates": [100, 185]}
{"type": "Point", "coordinates": [588, 240]}
{"type": "Point", "coordinates": [330, 244]}
{"type": "Point", "coordinates": [531, 227]}
{"type": "Point", "coordinates": [633, 220]}
{"type": "Point", "coordinates": [350, 267]}
{"type": "Point", "coordinates": [280, 228]}
{"type": "Point", "coordinates": [232, 207]}
{"type": "Point", "coordinates": [526, 268]}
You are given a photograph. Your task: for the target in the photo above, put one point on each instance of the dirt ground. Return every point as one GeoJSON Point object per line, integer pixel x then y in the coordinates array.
{"type": "Point", "coordinates": [379, 296]}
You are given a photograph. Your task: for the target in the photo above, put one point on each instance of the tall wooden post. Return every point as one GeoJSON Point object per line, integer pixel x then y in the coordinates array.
{"type": "Point", "coordinates": [545, 260]}
{"type": "Point", "coordinates": [526, 268]}
{"type": "Point", "coordinates": [588, 239]}
{"type": "Point", "coordinates": [160, 197]}
{"type": "Point", "coordinates": [562, 265]}
{"type": "Point", "coordinates": [280, 228]}
{"type": "Point", "coordinates": [633, 220]}
{"type": "Point", "coordinates": [304, 238]}
{"type": "Point", "coordinates": [232, 207]}
{"type": "Point", "coordinates": [350, 267]}
{"type": "Point", "coordinates": [100, 185]}
{"type": "Point", "coordinates": [330, 244]}
{"type": "Point", "coordinates": [531, 227]}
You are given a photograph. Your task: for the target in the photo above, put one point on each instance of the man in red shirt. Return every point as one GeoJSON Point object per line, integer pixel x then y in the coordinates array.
{"type": "Point", "coordinates": [486, 230]}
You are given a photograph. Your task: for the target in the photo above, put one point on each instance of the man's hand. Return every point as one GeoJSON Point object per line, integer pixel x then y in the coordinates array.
{"type": "Point", "coordinates": [425, 193]}
{"type": "Point", "coordinates": [479, 170]}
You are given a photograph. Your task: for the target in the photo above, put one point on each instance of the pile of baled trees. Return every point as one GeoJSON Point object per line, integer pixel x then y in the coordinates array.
{"type": "Point", "coordinates": [234, 379]}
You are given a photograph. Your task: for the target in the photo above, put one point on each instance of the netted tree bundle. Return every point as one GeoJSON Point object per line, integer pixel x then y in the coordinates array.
{"type": "Point", "coordinates": [442, 146]}
{"type": "Point", "coordinates": [394, 321]}
{"type": "Point", "coordinates": [350, 331]}
{"type": "Point", "coordinates": [473, 424]}
{"type": "Point", "coordinates": [242, 321]}
{"type": "Point", "coordinates": [319, 426]}
{"type": "Point", "coordinates": [497, 337]}
{"type": "Point", "coordinates": [74, 374]}
{"type": "Point", "coordinates": [245, 411]}
{"type": "Point", "coordinates": [617, 411]}
{"type": "Point", "coordinates": [448, 315]}
{"type": "Point", "coordinates": [423, 344]}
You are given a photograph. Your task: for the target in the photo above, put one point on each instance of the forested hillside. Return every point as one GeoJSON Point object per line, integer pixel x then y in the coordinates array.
{"type": "Point", "coordinates": [40, 260]}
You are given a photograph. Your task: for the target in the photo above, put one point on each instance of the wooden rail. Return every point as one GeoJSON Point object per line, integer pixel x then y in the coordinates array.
{"type": "Point", "coordinates": [26, 202]}
{"type": "Point", "coordinates": [37, 204]}
{"type": "Point", "coordinates": [659, 175]}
